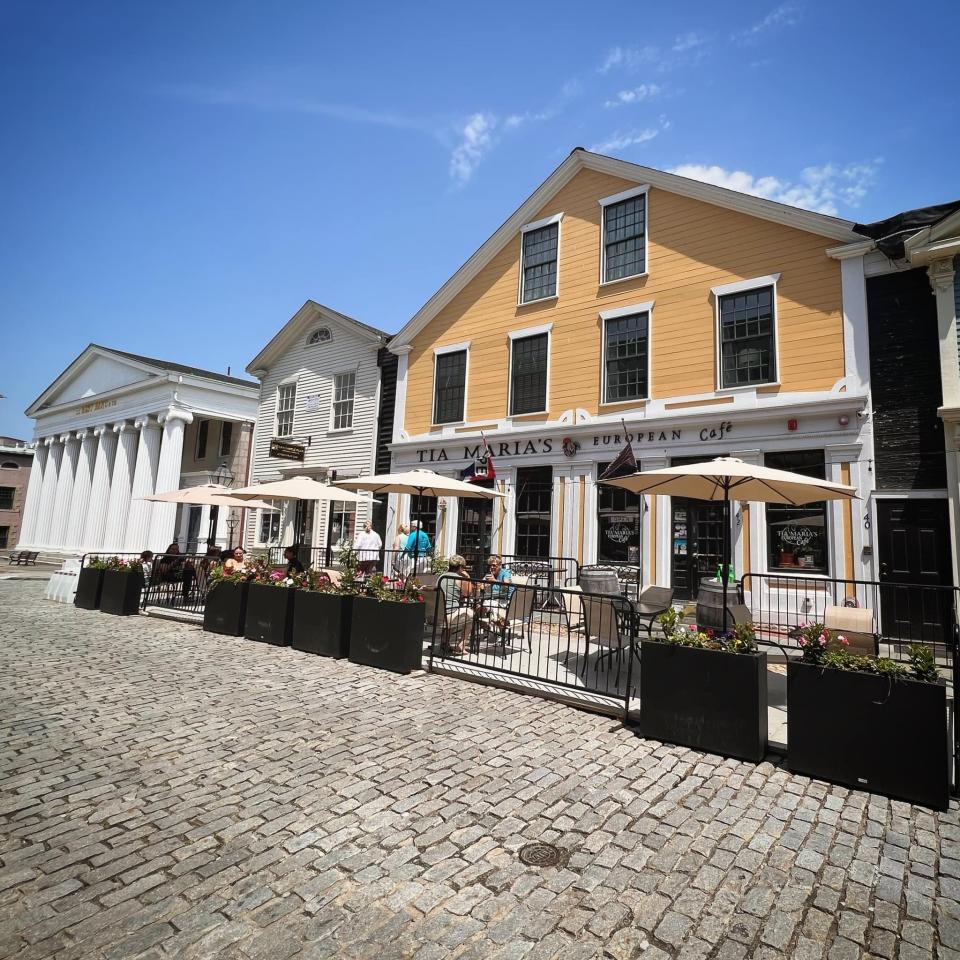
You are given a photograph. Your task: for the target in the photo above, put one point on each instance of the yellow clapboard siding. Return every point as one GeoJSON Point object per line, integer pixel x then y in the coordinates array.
{"type": "Point", "coordinates": [692, 247]}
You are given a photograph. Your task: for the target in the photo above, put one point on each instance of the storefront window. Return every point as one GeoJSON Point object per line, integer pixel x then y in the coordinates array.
{"type": "Point", "coordinates": [534, 500]}
{"type": "Point", "coordinates": [618, 523]}
{"type": "Point", "coordinates": [797, 536]}
{"type": "Point", "coordinates": [426, 512]}
{"type": "Point", "coordinates": [269, 527]}
{"type": "Point", "coordinates": [343, 518]}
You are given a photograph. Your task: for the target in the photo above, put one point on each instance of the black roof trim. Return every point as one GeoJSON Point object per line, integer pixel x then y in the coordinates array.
{"type": "Point", "coordinates": [179, 367]}
{"type": "Point", "coordinates": [890, 234]}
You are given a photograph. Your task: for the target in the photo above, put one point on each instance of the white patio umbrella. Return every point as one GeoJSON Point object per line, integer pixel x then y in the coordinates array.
{"type": "Point", "coordinates": [419, 483]}
{"type": "Point", "coordinates": [208, 494]}
{"type": "Point", "coordinates": [295, 488]}
{"type": "Point", "coordinates": [726, 478]}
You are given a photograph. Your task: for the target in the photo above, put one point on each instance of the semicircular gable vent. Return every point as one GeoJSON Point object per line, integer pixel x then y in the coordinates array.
{"type": "Point", "coordinates": [320, 335]}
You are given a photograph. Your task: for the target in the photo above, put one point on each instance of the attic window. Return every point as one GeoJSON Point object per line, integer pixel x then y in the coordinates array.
{"type": "Point", "coordinates": [321, 335]}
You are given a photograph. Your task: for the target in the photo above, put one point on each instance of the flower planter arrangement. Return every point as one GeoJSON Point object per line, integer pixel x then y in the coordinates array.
{"type": "Point", "coordinates": [269, 615]}
{"type": "Point", "coordinates": [705, 690]}
{"type": "Point", "coordinates": [225, 609]}
{"type": "Point", "coordinates": [386, 628]}
{"type": "Point", "coordinates": [868, 723]}
{"type": "Point", "coordinates": [90, 584]}
{"type": "Point", "coordinates": [122, 587]}
{"type": "Point", "coordinates": [322, 615]}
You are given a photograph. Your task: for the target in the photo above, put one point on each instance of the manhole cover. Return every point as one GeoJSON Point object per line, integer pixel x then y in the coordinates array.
{"type": "Point", "coordinates": [541, 855]}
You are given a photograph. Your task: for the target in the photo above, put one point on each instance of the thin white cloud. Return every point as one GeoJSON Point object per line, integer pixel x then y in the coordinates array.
{"type": "Point", "coordinates": [476, 141]}
{"type": "Point", "coordinates": [620, 141]}
{"type": "Point", "coordinates": [688, 41]}
{"type": "Point", "coordinates": [628, 58]}
{"type": "Point", "coordinates": [646, 91]}
{"type": "Point", "coordinates": [823, 189]}
{"type": "Point", "coordinates": [786, 15]}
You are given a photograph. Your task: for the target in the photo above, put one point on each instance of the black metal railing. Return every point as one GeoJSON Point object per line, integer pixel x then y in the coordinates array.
{"type": "Point", "coordinates": [544, 634]}
{"type": "Point", "coordinates": [900, 613]}
{"type": "Point", "coordinates": [179, 581]}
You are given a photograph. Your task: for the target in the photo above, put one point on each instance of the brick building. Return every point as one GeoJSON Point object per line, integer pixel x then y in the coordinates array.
{"type": "Point", "coordinates": [16, 459]}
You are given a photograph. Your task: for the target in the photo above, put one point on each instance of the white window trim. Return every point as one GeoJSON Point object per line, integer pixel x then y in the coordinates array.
{"type": "Point", "coordinates": [743, 286]}
{"type": "Point", "coordinates": [291, 382]}
{"type": "Point", "coordinates": [536, 225]}
{"type": "Point", "coordinates": [615, 314]}
{"type": "Point", "coordinates": [439, 352]}
{"type": "Point", "coordinates": [259, 527]}
{"type": "Point", "coordinates": [617, 198]}
{"type": "Point", "coordinates": [333, 399]}
{"type": "Point", "coordinates": [520, 335]}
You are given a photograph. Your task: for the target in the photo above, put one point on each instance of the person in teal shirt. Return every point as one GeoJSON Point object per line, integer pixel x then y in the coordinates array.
{"type": "Point", "coordinates": [418, 542]}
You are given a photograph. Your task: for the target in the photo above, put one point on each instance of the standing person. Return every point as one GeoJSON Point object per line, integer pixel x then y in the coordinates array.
{"type": "Point", "coordinates": [146, 564]}
{"type": "Point", "coordinates": [418, 546]}
{"type": "Point", "coordinates": [458, 594]}
{"type": "Point", "coordinates": [368, 544]}
{"type": "Point", "coordinates": [401, 564]}
{"type": "Point", "coordinates": [293, 560]}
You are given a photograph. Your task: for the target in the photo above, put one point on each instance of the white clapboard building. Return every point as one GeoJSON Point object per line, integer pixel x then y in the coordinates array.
{"type": "Point", "coordinates": [115, 427]}
{"type": "Point", "coordinates": [326, 409]}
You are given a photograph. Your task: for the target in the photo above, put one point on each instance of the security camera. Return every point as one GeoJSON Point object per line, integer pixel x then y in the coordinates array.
{"type": "Point", "coordinates": [863, 414]}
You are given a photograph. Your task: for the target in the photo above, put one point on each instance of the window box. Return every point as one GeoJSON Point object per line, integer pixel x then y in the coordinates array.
{"type": "Point", "coordinates": [269, 614]}
{"type": "Point", "coordinates": [709, 700]}
{"type": "Point", "coordinates": [89, 587]}
{"type": "Point", "coordinates": [122, 590]}
{"type": "Point", "coordinates": [321, 623]}
{"type": "Point", "coordinates": [387, 634]}
{"type": "Point", "coordinates": [225, 609]}
{"type": "Point", "coordinates": [869, 733]}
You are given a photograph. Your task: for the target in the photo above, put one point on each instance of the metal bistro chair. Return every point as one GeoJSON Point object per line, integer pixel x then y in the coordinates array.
{"type": "Point", "coordinates": [651, 602]}
{"type": "Point", "coordinates": [517, 617]}
{"type": "Point", "coordinates": [602, 626]}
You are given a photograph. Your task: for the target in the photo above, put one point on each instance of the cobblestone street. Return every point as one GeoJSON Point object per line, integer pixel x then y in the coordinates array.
{"type": "Point", "coordinates": [165, 792]}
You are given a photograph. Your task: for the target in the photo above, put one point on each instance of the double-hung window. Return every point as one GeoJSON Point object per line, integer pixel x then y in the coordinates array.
{"type": "Point", "coordinates": [6, 497]}
{"type": "Point", "coordinates": [528, 373]}
{"type": "Point", "coordinates": [449, 386]}
{"type": "Point", "coordinates": [226, 438]}
{"type": "Point", "coordinates": [626, 352]}
{"type": "Point", "coordinates": [286, 401]}
{"type": "Point", "coordinates": [624, 235]}
{"type": "Point", "coordinates": [203, 429]}
{"type": "Point", "coordinates": [538, 267]}
{"type": "Point", "coordinates": [344, 386]}
{"type": "Point", "coordinates": [269, 532]}
{"type": "Point", "coordinates": [747, 335]}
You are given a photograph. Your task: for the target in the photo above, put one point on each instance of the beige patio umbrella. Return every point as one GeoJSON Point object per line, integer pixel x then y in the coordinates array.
{"type": "Point", "coordinates": [726, 478]}
{"type": "Point", "coordinates": [418, 483]}
{"type": "Point", "coordinates": [296, 488]}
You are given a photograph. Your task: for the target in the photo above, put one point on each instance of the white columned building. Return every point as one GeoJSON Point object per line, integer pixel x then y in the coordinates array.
{"type": "Point", "coordinates": [115, 427]}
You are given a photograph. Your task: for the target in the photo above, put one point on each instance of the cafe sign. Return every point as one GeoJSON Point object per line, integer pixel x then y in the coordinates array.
{"type": "Point", "coordinates": [286, 451]}
{"type": "Point", "coordinates": [598, 442]}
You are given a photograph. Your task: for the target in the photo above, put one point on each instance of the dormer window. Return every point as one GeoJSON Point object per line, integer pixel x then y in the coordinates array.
{"type": "Point", "coordinates": [320, 335]}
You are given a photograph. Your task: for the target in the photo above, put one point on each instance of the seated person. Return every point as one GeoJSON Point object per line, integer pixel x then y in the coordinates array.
{"type": "Point", "coordinates": [172, 568]}
{"type": "Point", "coordinates": [458, 601]}
{"type": "Point", "coordinates": [235, 562]}
{"type": "Point", "coordinates": [293, 561]}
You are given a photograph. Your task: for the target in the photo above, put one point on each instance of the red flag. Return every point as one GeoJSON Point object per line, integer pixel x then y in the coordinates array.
{"type": "Point", "coordinates": [626, 463]}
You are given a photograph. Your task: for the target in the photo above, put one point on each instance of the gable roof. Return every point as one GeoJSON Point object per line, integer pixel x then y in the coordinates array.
{"type": "Point", "coordinates": [313, 312]}
{"type": "Point", "coordinates": [832, 228]}
{"type": "Point", "coordinates": [149, 365]}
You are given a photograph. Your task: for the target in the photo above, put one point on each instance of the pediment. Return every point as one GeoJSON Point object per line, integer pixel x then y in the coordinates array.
{"type": "Point", "coordinates": [92, 374]}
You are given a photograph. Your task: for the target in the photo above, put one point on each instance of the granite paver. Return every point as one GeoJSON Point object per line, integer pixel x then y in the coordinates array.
{"type": "Point", "coordinates": [170, 793]}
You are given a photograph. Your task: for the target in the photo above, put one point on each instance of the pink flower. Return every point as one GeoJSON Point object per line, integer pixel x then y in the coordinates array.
{"type": "Point", "coordinates": [843, 640]}
{"type": "Point", "coordinates": [823, 639]}
{"type": "Point", "coordinates": [692, 629]}
{"type": "Point", "coordinates": [803, 641]}
{"type": "Point", "coordinates": [276, 575]}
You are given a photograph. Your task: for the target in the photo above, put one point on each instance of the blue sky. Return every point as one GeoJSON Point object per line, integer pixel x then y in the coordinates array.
{"type": "Point", "coordinates": [177, 178]}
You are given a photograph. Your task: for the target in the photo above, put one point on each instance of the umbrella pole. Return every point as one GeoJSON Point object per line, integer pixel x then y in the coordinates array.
{"type": "Point", "coordinates": [416, 536]}
{"type": "Point", "coordinates": [725, 568]}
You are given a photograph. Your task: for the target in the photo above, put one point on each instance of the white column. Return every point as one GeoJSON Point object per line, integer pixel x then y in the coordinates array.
{"type": "Point", "coordinates": [82, 482]}
{"type": "Point", "coordinates": [96, 522]}
{"type": "Point", "coordinates": [164, 517]}
{"type": "Point", "coordinates": [48, 492]}
{"type": "Point", "coordinates": [121, 486]}
{"type": "Point", "coordinates": [144, 483]}
{"type": "Point", "coordinates": [31, 507]}
{"type": "Point", "coordinates": [61, 505]}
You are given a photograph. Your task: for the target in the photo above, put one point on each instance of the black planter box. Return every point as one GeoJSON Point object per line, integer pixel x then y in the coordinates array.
{"type": "Point", "coordinates": [869, 733]}
{"type": "Point", "coordinates": [89, 587]}
{"type": "Point", "coordinates": [705, 699]}
{"type": "Point", "coordinates": [225, 608]}
{"type": "Point", "coordinates": [121, 592]}
{"type": "Point", "coordinates": [269, 614]}
{"type": "Point", "coordinates": [387, 634]}
{"type": "Point", "coordinates": [321, 623]}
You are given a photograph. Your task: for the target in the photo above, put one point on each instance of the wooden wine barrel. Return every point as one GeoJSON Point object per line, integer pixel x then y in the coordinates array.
{"type": "Point", "coordinates": [710, 602]}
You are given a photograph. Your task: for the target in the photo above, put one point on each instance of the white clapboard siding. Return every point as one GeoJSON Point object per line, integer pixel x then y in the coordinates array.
{"type": "Point", "coordinates": [313, 368]}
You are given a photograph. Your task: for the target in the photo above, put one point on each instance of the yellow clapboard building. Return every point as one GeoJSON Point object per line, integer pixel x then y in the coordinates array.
{"type": "Point", "coordinates": [623, 304]}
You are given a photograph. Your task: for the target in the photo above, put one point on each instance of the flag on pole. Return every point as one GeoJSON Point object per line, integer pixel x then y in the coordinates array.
{"type": "Point", "coordinates": [626, 463]}
{"type": "Point", "coordinates": [482, 469]}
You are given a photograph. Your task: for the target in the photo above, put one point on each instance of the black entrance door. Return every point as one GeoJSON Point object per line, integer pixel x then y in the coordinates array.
{"type": "Point", "coordinates": [697, 540]}
{"type": "Point", "coordinates": [913, 547]}
{"type": "Point", "coordinates": [303, 529]}
{"type": "Point", "coordinates": [473, 534]}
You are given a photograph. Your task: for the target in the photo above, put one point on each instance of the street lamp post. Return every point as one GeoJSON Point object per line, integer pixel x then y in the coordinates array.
{"type": "Point", "coordinates": [224, 478]}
